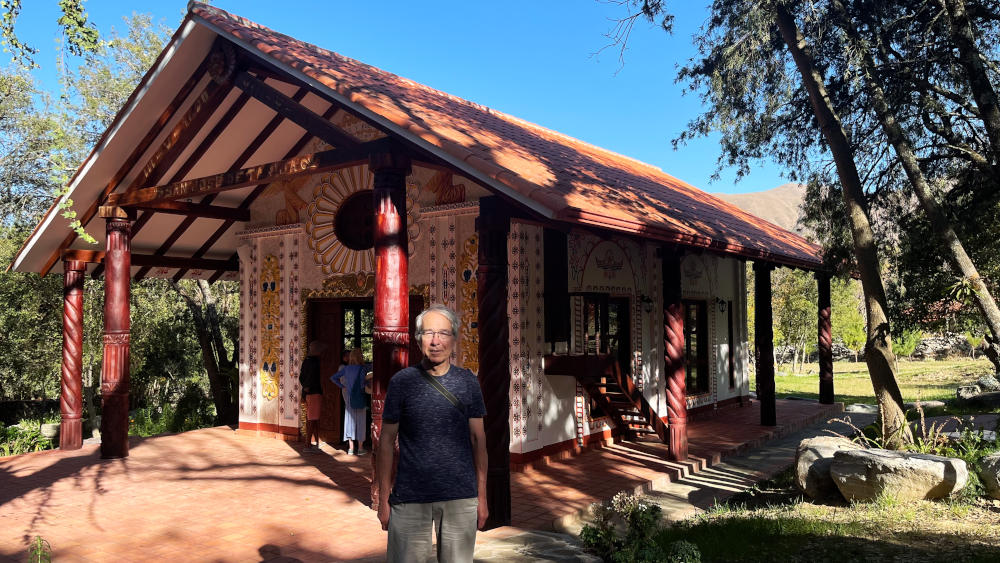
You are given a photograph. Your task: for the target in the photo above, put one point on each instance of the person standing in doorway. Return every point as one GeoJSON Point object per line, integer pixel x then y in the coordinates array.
{"type": "Point", "coordinates": [312, 390]}
{"type": "Point", "coordinates": [351, 379]}
{"type": "Point", "coordinates": [436, 409]}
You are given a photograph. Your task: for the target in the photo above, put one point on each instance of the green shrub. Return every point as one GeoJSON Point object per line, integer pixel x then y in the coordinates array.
{"type": "Point", "coordinates": [16, 440]}
{"type": "Point", "coordinates": [683, 551]}
{"type": "Point", "coordinates": [641, 522]}
{"type": "Point", "coordinates": [193, 411]}
{"type": "Point", "coordinates": [40, 551]}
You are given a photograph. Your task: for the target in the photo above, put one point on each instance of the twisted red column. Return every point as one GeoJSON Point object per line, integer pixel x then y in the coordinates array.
{"type": "Point", "coordinates": [493, 228]}
{"type": "Point", "coordinates": [764, 343]}
{"type": "Point", "coordinates": [71, 393]}
{"type": "Point", "coordinates": [673, 356]}
{"type": "Point", "coordinates": [392, 288]}
{"type": "Point", "coordinates": [825, 339]}
{"type": "Point", "coordinates": [115, 368]}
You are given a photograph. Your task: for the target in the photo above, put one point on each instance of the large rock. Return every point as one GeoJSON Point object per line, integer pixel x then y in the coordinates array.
{"type": "Point", "coordinates": [812, 465]}
{"type": "Point", "coordinates": [967, 392]}
{"type": "Point", "coordinates": [988, 383]}
{"type": "Point", "coordinates": [990, 475]}
{"type": "Point", "coordinates": [864, 474]}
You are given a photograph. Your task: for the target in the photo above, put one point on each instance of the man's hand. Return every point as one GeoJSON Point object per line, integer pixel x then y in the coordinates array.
{"type": "Point", "coordinates": [484, 513]}
{"type": "Point", "coordinates": [383, 514]}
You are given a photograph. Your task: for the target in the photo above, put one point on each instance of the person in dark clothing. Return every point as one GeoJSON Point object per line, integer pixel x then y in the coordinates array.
{"type": "Point", "coordinates": [312, 390]}
{"type": "Point", "coordinates": [441, 479]}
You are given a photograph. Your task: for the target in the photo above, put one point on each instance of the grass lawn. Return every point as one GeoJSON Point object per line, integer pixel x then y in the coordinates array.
{"type": "Point", "coordinates": [772, 523]}
{"type": "Point", "coordinates": [918, 380]}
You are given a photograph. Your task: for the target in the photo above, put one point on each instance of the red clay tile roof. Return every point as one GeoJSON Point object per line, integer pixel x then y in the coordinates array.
{"type": "Point", "coordinates": [572, 180]}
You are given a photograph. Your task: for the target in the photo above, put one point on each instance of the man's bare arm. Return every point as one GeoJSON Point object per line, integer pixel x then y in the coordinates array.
{"type": "Point", "coordinates": [478, 437]}
{"type": "Point", "coordinates": [386, 452]}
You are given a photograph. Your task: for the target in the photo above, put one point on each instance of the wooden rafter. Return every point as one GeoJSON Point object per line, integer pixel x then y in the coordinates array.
{"type": "Point", "coordinates": [248, 201]}
{"type": "Point", "coordinates": [202, 148]}
{"type": "Point", "coordinates": [140, 149]}
{"type": "Point", "coordinates": [200, 210]}
{"type": "Point", "coordinates": [190, 161]}
{"type": "Point", "coordinates": [295, 112]}
{"type": "Point", "coordinates": [150, 260]}
{"type": "Point", "coordinates": [286, 169]}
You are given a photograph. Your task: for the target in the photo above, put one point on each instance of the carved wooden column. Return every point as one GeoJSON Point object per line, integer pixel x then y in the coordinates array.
{"type": "Point", "coordinates": [493, 228]}
{"type": "Point", "coordinates": [825, 339]}
{"type": "Point", "coordinates": [71, 393]}
{"type": "Point", "coordinates": [114, 367]}
{"type": "Point", "coordinates": [764, 343]}
{"type": "Point", "coordinates": [392, 305]}
{"type": "Point", "coordinates": [673, 355]}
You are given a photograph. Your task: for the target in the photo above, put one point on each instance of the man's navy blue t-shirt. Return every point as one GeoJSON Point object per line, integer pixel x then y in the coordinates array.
{"type": "Point", "coordinates": [435, 454]}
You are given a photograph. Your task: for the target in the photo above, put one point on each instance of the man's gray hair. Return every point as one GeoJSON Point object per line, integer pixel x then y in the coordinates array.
{"type": "Point", "coordinates": [443, 311]}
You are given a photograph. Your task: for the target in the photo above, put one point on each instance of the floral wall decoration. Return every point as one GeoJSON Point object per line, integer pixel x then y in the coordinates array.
{"type": "Point", "coordinates": [350, 189]}
{"type": "Point", "coordinates": [270, 326]}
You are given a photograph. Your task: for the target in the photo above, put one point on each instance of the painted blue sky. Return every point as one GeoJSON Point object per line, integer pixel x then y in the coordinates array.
{"type": "Point", "coordinates": [538, 60]}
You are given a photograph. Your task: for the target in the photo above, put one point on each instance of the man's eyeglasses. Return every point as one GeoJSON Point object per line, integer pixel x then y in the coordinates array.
{"type": "Point", "coordinates": [441, 334]}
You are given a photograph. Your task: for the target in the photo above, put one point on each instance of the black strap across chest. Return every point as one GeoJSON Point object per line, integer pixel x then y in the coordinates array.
{"type": "Point", "coordinates": [433, 382]}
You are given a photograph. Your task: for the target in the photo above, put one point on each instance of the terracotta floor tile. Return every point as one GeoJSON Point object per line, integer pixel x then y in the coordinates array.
{"type": "Point", "coordinates": [215, 495]}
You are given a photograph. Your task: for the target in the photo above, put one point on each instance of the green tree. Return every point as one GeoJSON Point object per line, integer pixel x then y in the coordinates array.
{"type": "Point", "coordinates": [79, 34]}
{"type": "Point", "coordinates": [794, 296]}
{"type": "Point", "coordinates": [169, 359]}
{"type": "Point", "coordinates": [767, 87]}
{"type": "Point", "coordinates": [847, 314]}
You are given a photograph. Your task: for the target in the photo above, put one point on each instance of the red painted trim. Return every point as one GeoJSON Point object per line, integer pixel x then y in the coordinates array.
{"type": "Point", "coordinates": [268, 428]}
{"type": "Point", "coordinates": [560, 450]}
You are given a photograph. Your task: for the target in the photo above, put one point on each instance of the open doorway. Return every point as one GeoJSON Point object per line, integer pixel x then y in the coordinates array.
{"type": "Point", "coordinates": [343, 324]}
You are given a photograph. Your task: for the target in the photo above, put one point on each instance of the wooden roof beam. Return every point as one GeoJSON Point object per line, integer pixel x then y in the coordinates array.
{"type": "Point", "coordinates": [286, 169]}
{"type": "Point", "coordinates": [295, 112]}
{"type": "Point", "coordinates": [248, 201]}
{"type": "Point", "coordinates": [198, 210]}
{"type": "Point", "coordinates": [97, 257]}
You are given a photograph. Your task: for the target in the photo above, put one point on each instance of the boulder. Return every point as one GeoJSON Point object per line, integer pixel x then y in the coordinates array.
{"type": "Point", "coordinates": [812, 465]}
{"type": "Point", "coordinates": [862, 408]}
{"type": "Point", "coordinates": [990, 475]}
{"type": "Point", "coordinates": [924, 405]}
{"type": "Point", "coordinates": [864, 474]}
{"type": "Point", "coordinates": [988, 383]}
{"type": "Point", "coordinates": [966, 392]}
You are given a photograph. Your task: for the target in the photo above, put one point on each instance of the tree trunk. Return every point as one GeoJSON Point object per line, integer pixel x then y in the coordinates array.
{"type": "Point", "coordinates": [988, 104]}
{"type": "Point", "coordinates": [955, 252]}
{"type": "Point", "coordinates": [878, 349]}
{"type": "Point", "coordinates": [222, 397]}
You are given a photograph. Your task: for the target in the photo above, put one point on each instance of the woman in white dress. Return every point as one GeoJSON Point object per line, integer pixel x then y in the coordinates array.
{"type": "Point", "coordinates": [351, 380]}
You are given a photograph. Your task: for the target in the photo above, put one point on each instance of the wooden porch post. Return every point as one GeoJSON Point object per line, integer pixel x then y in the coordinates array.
{"type": "Point", "coordinates": [493, 227]}
{"type": "Point", "coordinates": [825, 342]}
{"type": "Point", "coordinates": [114, 367]}
{"type": "Point", "coordinates": [392, 305]}
{"type": "Point", "coordinates": [70, 396]}
{"type": "Point", "coordinates": [764, 343]}
{"type": "Point", "coordinates": [673, 355]}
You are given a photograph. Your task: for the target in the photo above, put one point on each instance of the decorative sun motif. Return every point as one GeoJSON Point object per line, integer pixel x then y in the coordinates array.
{"type": "Point", "coordinates": [341, 218]}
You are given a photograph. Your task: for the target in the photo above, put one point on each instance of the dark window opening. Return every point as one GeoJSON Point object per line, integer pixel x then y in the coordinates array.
{"type": "Point", "coordinates": [359, 325]}
{"type": "Point", "coordinates": [606, 330]}
{"type": "Point", "coordinates": [557, 313]}
{"type": "Point", "coordinates": [696, 345]}
{"type": "Point", "coordinates": [731, 357]}
{"type": "Point", "coordinates": [354, 223]}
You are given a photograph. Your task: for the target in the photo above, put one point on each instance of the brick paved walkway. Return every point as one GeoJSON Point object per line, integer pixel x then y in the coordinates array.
{"type": "Point", "coordinates": [213, 495]}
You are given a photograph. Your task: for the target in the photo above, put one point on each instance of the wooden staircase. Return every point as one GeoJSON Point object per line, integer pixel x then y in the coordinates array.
{"type": "Point", "coordinates": [614, 392]}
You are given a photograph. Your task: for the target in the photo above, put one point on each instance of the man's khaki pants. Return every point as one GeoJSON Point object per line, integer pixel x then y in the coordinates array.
{"type": "Point", "coordinates": [410, 531]}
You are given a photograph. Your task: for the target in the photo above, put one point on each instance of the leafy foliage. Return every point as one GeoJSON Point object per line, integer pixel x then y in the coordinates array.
{"type": "Point", "coordinates": [641, 522]}
{"type": "Point", "coordinates": [16, 440]}
{"type": "Point", "coordinates": [81, 36]}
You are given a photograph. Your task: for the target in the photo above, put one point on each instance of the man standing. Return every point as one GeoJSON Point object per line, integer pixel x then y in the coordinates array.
{"type": "Point", "coordinates": [437, 411]}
